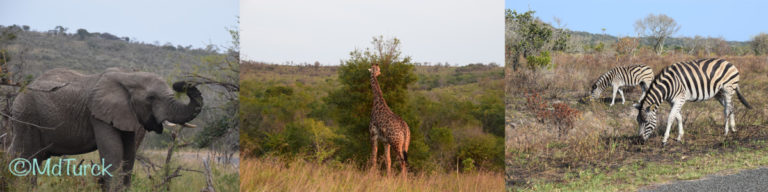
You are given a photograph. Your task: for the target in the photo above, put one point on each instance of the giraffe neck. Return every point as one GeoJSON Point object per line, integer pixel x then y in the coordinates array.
{"type": "Point", "coordinates": [378, 97]}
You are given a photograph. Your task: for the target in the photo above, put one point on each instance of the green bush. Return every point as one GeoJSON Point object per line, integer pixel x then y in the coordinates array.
{"type": "Point", "coordinates": [538, 62]}
{"type": "Point", "coordinates": [490, 112]}
{"type": "Point", "coordinates": [467, 165]}
{"type": "Point", "coordinates": [486, 150]}
{"type": "Point", "coordinates": [309, 136]}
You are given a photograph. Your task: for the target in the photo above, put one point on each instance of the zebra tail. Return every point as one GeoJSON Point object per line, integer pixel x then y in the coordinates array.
{"type": "Point", "coordinates": [741, 98]}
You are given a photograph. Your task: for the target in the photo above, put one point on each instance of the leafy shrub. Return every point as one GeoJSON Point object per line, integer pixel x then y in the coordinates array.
{"type": "Point", "coordinates": [541, 61]}
{"type": "Point", "coordinates": [485, 150]}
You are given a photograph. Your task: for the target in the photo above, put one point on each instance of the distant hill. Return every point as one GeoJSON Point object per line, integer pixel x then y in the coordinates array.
{"type": "Point", "coordinates": [594, 38]}
{"type": "Point", "coordinates": [94, 52]}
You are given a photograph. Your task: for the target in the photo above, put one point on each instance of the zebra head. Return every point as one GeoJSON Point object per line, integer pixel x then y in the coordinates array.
{"type": "Point", "coordinates": [646, 119]}
{"type": "Point", "coordinates": [596, 90]}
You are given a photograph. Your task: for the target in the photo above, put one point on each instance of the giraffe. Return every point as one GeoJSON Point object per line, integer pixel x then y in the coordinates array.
{"type": "Point", "coordinates": [388, 127]}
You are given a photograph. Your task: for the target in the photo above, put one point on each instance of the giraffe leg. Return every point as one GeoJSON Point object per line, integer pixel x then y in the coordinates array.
{"type": "Point", "coordinates": [374, 150]}
{"type": "Point", "coordinates": [387, 159]}
{"type": "Point", "coordinates": [401, 159]}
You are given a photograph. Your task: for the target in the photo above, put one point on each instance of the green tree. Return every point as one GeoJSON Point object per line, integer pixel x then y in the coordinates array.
{"type": "Point", "coordinates": [82, 34]}
{"type": "Point", "coordinates": [528, 36]}
{"type": "Point", "coordinates": [490, 112]}
{"type": "Point", "coordinates": [351, 103]}
{"type": "Point", "coordinates": [60, 30]}
{"type": "Point", "coordinates": [759, 44]}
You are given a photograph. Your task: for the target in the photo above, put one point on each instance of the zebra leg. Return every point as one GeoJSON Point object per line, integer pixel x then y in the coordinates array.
{"type": "Point", "coordinates": [615, 89]}
{"type": "Point", "coordinates": [622, 96]}
{"type": "Point", "coordinates": [680, 131]}
{"type": "Point", "coordinates": [673, 114]}
{"type": "Point", "coordinates": [642, 94]}
{"type": "Point", "coordinates": [729, 110]}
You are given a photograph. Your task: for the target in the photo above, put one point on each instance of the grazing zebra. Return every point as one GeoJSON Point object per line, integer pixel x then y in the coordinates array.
{"type": "Point", "coordinates": [622, 76]}
{"type": "Point", "coordinates": [695, 80]}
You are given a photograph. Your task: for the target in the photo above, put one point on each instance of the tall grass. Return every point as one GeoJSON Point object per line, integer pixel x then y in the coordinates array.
{"type": "Point", "coordinates": [273, 174]}
{"type": "Point", "coordinates": [225, 177]}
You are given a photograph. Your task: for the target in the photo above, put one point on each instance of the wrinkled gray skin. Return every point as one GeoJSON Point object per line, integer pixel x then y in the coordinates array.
{"type": "Point", "coordinates": [110, 112]}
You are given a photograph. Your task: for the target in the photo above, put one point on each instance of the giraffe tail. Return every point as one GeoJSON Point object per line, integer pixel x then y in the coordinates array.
{"type": "Point", "coordinates": [405, 157]}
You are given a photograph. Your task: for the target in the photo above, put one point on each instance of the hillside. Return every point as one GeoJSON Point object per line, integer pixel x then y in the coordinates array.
{"type": "Point", "coordinates": [94, 52]}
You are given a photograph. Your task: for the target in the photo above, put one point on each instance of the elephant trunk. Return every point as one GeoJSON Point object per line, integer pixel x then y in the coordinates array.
{"type": "Point", "coordinates": [180, 112]}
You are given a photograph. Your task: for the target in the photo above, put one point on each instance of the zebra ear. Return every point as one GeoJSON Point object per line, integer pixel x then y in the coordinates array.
{"type": "Point", "coordinates": [636, 106]}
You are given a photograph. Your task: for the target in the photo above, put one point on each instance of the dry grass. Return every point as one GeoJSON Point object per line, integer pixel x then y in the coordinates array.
{"type": "Point", "coordinates": [272, 174]}
{"type": "Point", "coordinates": [604, 138]}
{"type": "Point", "coordinates": [225, 176]}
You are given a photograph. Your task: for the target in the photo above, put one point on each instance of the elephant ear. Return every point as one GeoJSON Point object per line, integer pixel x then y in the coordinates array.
{"type": "Point", "coordinates": [111, 103]}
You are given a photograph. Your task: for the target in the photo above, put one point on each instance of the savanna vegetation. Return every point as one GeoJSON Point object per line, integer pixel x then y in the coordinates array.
{"type": "Point", "coordinates": [297, 119]}
{"type": "Point", "coordinates": [26, 54]}
{"type": "Point", "coordinates": [557, 140]}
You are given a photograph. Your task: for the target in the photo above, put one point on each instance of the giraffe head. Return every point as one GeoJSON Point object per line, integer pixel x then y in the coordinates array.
{"type": "Point", "coordinates": [375, 71]}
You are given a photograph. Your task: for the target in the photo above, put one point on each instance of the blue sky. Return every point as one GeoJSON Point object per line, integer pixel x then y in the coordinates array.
{"type": "Point", "coordinates": [454, 31]}
{"type": "Point", "coordinates": [181, 22]}
{"type": "Point", "coordinates": [733, 20]}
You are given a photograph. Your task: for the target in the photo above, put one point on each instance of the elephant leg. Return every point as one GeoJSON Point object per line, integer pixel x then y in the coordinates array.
{"type": "Point", "coordinates": [129, 156]}
{"type": "Point", "coordinates": [110, 146]}
{"type": "Point", "coordinates": [387, 160]}
{"type": "Point", "coordinates": [139, 137]}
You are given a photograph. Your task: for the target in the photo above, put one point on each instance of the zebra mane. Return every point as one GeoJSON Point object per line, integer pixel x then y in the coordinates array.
{"type": "Point", "coordinates": [602, 81]}
{"type": "Point", "coordinates": [652, 86]}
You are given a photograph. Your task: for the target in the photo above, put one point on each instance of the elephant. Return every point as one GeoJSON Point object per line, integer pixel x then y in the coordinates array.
{"type": "Point", "coordinates": [64, 112]}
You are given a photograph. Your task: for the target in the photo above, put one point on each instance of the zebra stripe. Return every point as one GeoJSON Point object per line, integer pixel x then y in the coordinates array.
{"type": "Point", "coordinates": [695, 80]}
{"type": "Point", "coordinates": [622, 76]}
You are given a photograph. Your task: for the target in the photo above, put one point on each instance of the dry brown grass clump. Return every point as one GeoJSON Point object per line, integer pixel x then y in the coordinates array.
{"type": "Point", "coordinates": [273, 174]}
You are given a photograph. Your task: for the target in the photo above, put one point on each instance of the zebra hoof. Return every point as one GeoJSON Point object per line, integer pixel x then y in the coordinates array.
{"type": "Point", "coordinates": [663, 144]}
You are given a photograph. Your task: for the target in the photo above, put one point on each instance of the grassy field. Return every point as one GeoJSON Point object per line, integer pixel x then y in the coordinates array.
{"type": "Point", "coordinates": [271, 174]}
{"type": "Point", "coordinates": [226, 177]}
{"type": "Point", "coordinates": [600, 149]}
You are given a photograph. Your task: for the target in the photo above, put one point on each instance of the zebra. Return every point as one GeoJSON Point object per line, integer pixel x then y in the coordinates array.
{"type": "Point", "coordinates": [622, 76]}
{"type": "Point", "coordinates": [695, 80]}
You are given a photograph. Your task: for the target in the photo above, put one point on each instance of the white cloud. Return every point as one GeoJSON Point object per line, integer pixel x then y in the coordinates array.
{"type": "Point", "coordinates": [455, 31]}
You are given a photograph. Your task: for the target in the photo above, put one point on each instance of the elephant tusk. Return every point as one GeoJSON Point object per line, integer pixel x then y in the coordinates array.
{"type": "Point", "coordinates": [189, 125]}
{"type": "Point", "coordinates": [166, 123]}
